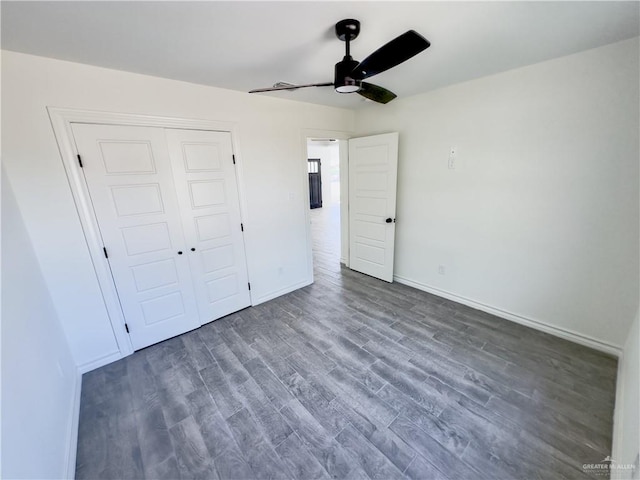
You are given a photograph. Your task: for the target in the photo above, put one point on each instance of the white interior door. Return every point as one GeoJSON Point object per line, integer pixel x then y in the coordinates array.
{"type": "Point", "coordinates": [373, 166]}
{"type": "Point", "coordinates": [205, 179]}
{"type": "Point", "coordinates": [128, 173]}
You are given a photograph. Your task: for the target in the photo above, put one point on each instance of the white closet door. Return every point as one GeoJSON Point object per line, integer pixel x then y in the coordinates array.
{"type": "Point", "coordinates": [128, 174]}
{"type": "Point", "coordinates": [373, 171]}
{"type": "Point", "coordinates": [205, 178]}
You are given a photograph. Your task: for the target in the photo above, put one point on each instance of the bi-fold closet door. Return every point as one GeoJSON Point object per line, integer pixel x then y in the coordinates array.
{"type": "Point", "coordinates": [167, 207]}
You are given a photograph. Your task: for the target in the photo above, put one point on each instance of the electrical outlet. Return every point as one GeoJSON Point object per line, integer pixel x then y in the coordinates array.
{"type": "Point", "coordinates": [441, 269]}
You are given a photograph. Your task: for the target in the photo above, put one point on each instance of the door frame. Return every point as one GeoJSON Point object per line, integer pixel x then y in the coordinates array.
{"type": "Point", "coordinates": [342, 136]}
{"type": "Point", "coordinates": [61, 120]}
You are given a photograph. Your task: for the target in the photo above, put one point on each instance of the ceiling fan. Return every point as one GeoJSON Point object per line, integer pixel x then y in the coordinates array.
{"type": "Point", "coordinates": [349, 73]}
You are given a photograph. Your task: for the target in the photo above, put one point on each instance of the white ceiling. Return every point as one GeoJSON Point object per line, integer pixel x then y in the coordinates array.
{"type": "Point", "coordinates": [243, 45]}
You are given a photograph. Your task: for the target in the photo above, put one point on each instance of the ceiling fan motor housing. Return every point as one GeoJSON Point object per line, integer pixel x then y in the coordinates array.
{"type": "Point", "coordinates": [343, 82]}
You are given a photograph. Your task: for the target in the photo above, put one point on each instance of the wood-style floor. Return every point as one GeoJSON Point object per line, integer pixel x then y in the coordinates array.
{"type": "Point", "coordinates": [350, 378]}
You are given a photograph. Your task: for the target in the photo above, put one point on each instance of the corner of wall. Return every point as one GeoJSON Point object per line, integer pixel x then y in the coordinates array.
{"type": "Point", "coordinates": [626, 419]}
{"type": "Point", "coordinates": [101, 362]}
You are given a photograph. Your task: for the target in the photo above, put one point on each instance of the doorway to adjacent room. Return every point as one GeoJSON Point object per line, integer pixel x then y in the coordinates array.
{"type": "Point", "coordinates": [323, 161]}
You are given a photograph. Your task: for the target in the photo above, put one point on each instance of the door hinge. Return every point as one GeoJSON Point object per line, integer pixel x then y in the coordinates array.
{"type": "Point", "coordinates": [80, 161]}
{"type": "Point", "coordinates": [234, 159]}
{"type": "Point", "coordinates": [104, 249]}
{"type": "Point", "coordinates": [126, 327]}
{"type": "Point", "coordinates": [241, 227]}
{"type": "Point", "coordinates": [249, 285]}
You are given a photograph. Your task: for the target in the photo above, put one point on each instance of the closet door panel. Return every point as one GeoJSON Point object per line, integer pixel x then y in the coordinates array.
{"type": "Point", "coordinates": [129, 178]}
{"type": "Point", "coordinates": [207, 191]}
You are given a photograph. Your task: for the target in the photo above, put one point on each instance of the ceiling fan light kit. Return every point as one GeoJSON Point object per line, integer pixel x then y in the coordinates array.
{"type": "Point", "coordinates": [348, 88]}
{"type": "Point", "coordinates": [349, 73]}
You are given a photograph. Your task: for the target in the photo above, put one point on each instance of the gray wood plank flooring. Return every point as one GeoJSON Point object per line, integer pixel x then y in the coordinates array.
{"type": "Point", "coordinates": [350, 377]}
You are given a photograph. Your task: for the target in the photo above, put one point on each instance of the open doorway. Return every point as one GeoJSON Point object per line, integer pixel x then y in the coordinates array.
{"type": "Point", "coordinates": [323, 165]}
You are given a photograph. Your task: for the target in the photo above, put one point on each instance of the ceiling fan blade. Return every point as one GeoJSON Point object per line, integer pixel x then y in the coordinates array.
{"type": "Point", "coordinates": [291, 87]}
{"type": "Point", "coordinates": [376, 93]}
{"type": "Point", "coordinates": [398, 50]}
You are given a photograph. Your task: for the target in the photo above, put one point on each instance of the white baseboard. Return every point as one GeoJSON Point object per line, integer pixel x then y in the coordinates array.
{"type": "Point", "coordinates": [99, 362]}
{"type": "Point", "coordinates": [271, 295]}
{"type": "Point", "coordinates": [566, 334]}
{"type": "Point", "coordinates": [72, 432]}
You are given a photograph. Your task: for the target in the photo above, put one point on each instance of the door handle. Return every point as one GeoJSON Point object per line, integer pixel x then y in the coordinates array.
{"type": "Point", "coordinates": [179, 252]}
{"type": "Point", "coordinates": [389, 220]}
{"type": "Point", "coordinates": [193, 249]}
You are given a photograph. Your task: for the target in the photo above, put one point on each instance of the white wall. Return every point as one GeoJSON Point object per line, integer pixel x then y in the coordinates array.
{"type": "Point", "coordinates": [270, 157]}
{"type": "Point", "coordinates": [539, 221]}
{"type": "Point", "coordinates": [39, 377]}
{"type": "Point", "coordinates": [626, 423]}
